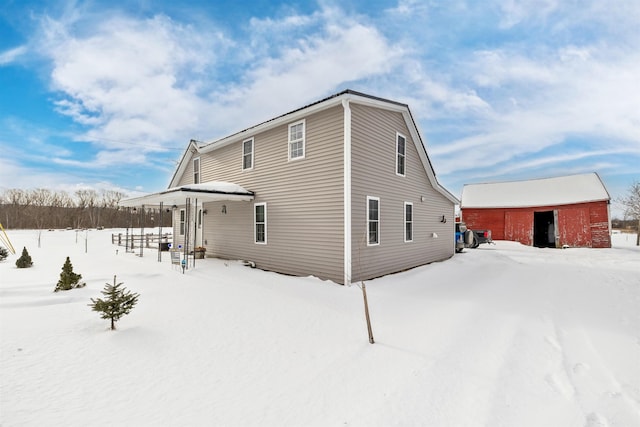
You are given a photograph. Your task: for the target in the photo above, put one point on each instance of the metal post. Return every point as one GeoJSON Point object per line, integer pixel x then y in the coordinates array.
{"type": "Point", "coordinates": [132, 232]}
{"type": "Point", "coordinates": [160, 234]}
{"type": "Point", "coordinates": [141, 228]}
{"type": "Point", "coordinates": [187, 228]}
{"type": "Point", "coordinates": [195, 232]}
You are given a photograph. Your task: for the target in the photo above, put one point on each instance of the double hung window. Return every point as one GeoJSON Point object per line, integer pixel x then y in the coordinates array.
{"type": "Point", "coordinates": [373, 221]}
{"type": "Point", "coordinates": [296, 140]}
{"type": "Point", "coordinates": [260, 223]}
{"type": "Point", "coordinates": [401, 154]}
{"type": "Point", "coordinates": [247, 154]}
{"type": "Point", "coordinates": [196, 170]}
{"type": "Point", "coordinates": [408, 222]}
{"type": "Point", "coordinates": [182, 222]}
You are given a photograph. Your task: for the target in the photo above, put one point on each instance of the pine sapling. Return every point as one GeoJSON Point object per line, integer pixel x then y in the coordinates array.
{"type": "Point", "coordinates": [4, 253]}
{"type": "Point", "coordinates": [68, 279]}
{"type": "Point", "coordinates": [118, 302]}
{"type": "Point", "coordinates": [25, 259]}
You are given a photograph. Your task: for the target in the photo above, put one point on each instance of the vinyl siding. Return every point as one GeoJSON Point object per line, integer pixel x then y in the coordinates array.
{"type": "Point", "coordinates": [374, 174]}
{"type": "Point", "coordinates": [304, 200]}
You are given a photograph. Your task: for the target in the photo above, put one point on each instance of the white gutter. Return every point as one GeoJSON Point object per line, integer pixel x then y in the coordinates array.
{"type": "Point", "coordinates": [347, 192]}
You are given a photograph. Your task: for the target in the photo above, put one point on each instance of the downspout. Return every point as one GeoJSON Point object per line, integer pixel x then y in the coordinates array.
{"type": "Point", "coordinates": [347, 192]}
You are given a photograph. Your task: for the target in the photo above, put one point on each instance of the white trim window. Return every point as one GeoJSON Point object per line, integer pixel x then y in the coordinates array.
{"type": "Point", "coordinates": [247, 154]}
{"type": "Point", "coordinates": [401, 154]}
{"type": "Point", "coordinates": [296, 140]}
{"type": "Point", "coordinates": [408, 222]}
{"type": "Point", "coordinates": [260, 223]}
{"type": "Point", "coordinates": [373, 221]}
{"type": "Point", "coordinates": [182, 222]}
{"type": "Point", "coordinates": [196, 170]}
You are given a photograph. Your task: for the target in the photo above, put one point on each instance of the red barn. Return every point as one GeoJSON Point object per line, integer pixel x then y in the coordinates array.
{"type": "Point", "coordinates": [551, 212]}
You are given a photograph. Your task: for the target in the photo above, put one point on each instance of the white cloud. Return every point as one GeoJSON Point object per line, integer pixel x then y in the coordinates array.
{"type": "Point", "coordinates": [539, 103]}
{"type": "Point", "coordinates": [11, 55]}
{"type": "Point", "coordinates": [516, 11]}
{"type": "Point", "coordinates": [409, 8]}
{"type": "Point", "coordinates": [135, 81]}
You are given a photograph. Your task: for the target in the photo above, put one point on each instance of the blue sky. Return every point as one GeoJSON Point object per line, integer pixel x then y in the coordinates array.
{"type": "Point", "coordinates": [106, 95]}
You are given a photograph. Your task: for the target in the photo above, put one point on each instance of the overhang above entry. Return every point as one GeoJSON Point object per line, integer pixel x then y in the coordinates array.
{"type": "Point", "coordinates": [212, 191]}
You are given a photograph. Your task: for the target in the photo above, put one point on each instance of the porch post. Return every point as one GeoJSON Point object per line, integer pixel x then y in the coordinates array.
{"type": "Point", "coordinates": [187, 215]}
{"type": "Point", "coordinates": [195, 231]}
{"type": "Point", "coordinates": [160, 234]}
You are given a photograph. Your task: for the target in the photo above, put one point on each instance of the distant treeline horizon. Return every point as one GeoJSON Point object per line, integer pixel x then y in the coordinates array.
{"type": "Point", "coordinates": [46, 209]}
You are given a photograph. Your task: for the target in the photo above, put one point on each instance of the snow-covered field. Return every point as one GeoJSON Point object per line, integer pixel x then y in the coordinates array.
{"type": "Point", "coordinates": [503, 335]}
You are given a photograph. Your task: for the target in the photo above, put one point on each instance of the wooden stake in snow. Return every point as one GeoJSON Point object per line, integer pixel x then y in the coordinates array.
{"type": "Point", "coordinates": [366, 313]}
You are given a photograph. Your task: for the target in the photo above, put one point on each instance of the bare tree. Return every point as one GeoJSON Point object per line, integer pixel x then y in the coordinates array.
{"type": "Point", "coordinates": [109, 204]}
{"type": "Point", "coordinates": [86, 202]}
{"type": "Point", "coordinates": [65, 209]}
{"type": "Point", "coordinates": [18, 203]}
{"type": "Point", "coordinates": [631, 203]}
{"type": "Point", "coordinates": [41, 209]}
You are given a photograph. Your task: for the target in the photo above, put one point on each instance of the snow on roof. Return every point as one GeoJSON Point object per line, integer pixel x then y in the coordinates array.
{"type": "Point", "coordinates": [205, 192]}
{"type": "Point", "coordinates": [214, 187]}
{"type": "Point", "coordinates": [564, 190]}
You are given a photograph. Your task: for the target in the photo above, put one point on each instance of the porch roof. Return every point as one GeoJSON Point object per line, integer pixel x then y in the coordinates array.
{"type": "Point", "coordinates": [205, 192]}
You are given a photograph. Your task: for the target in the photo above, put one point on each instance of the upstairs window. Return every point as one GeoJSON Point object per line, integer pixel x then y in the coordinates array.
{"type": "Point", "coordinates": [408, 222]}
{"type": "Point", "coordinates": [401, 147]}
{"type": "Point", "coordinates": [296, 140]}
{"type": "Point", "coordinates": [260, 221]}
{"type": "Point", "coordinates": [247, 154]}
{"type": "Point", "coordinates": [196, 170]}
{"type": "Point", "coordinates": [373, 221]}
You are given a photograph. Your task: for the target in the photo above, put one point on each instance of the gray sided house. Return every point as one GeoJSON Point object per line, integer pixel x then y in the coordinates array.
{"type": "Point", "coordinates": [341, 189]}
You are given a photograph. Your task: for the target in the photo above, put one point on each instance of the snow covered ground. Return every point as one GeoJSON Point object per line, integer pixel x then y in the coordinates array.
{"type": "Point", "coordinates": [503, 335]}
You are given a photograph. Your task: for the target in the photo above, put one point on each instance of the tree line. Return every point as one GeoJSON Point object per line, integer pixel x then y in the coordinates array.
{"type": "Point", "coordinates": [42, 208]}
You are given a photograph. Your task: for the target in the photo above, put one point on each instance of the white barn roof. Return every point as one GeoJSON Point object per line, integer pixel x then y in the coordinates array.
{"type": "Point", "coordinates": [564, 190]}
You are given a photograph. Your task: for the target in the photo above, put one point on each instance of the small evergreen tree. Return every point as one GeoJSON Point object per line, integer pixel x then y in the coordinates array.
{"type": "Point", "coordinates": [25, 259]}
{"type": "Point", "coordinates": [118, 302]}
{"type": "Point", "coordinates": [4, 253]}
{"type": "Point", "coordinates": [68, 279]}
